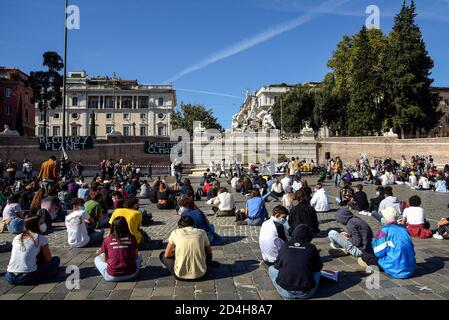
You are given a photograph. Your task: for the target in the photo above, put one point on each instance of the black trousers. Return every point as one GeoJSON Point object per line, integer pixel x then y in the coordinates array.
{"type": "Point", "coordinates": [371, 260]}
{"type": "Point", "coordinates": [443, 229]}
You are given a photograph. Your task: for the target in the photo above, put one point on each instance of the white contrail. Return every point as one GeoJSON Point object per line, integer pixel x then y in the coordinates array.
{"type": "Point", "coordinates": [209, 92]}
{"type": "Point", "coordinates": [257, 39]}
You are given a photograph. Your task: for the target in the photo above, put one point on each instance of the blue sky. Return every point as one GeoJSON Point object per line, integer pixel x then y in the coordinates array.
{"type": "Point", "coordinates": [217, 46]}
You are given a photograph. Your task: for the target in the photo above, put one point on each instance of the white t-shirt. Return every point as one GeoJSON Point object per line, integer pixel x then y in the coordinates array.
{"type": "Point", "coordinates": [414, 215]}
{"type": "Point", "coordinates": [234, 182]}
{"type": "Point", "coordinates": [77, 235]}
{"type": "Point", "coordinates": [296, 186]}
{"type": "Point", "coordinates": [10, 211]}
{"type": "Point", "coordinates": [269, 241]}
{"type": "Point", "coordinates": [286, 202]}
{"type": "Point", "coordinates": [412, 180]}
{"type": "Point", "coordinates": [424, 182]}
{"type": "Point", "coordinates": [24, 256]}
{"type": "Point", "coordinates": [286, 182]}
{"type": "Point", "coordinates": [225, 201]}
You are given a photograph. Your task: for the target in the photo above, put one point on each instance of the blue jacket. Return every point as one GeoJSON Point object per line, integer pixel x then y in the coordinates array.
{"type": "Point", "coordinates": [394, 248]}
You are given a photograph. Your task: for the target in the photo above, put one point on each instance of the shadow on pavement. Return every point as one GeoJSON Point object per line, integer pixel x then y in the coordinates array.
{"type": "Point", "coordinates": [328, 288]}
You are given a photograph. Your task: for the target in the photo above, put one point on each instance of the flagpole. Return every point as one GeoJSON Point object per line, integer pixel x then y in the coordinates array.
{"type": "Point", "coordinates": [64, 83]}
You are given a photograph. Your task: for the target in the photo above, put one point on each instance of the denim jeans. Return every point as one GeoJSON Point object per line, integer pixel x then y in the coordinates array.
{"type": "Point", "coordinates": [16, 225]}
{"type": "Point", "coordinates": [273, 273]}
{"type": "Point", "coordinates": [102, 266]}
{"type": "Point", "coordinates": [43, 272]}
{"type": "Point", "coordinates": [214, 238]}
{"type": "Point", "coordinates": [96, 237]}
{"type": "Point", "coordinates": [340, 242]}
{"type": "Point", "coordinates": [337, 179]}
{"type": "Point", "coordinates": [259, 220]}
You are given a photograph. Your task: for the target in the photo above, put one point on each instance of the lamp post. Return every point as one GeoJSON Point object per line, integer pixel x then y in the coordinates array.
{"type": "Point", "coordinates": [64, 83]}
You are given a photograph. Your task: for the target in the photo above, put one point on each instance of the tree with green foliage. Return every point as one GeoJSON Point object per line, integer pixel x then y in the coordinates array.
{"type": "Point", "coordinates": [407, 76]}
{"type": "Point", "coordinates": [92, 125]}
{"type": "Point", "coordinates": [19, 116]}
{"type": "Point", "coordinates": [47, 85]}
{"type": "Point", "coordinates": [187, 114]}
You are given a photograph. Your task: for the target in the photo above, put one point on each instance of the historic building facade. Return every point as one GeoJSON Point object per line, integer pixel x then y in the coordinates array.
{"type": "Point", "coordinates": [14, 91]}
{"type": "Point", "coordinates": [119, 107]}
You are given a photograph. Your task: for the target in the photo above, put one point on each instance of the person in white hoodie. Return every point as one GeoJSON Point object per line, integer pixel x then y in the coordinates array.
{"type": "Point", "coordinates": [77, 234]}
{"type": "Point", "coordinates": [319, 199]}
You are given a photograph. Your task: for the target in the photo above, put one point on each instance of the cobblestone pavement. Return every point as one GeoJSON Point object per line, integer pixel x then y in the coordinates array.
{"type": "Point", "coordinates": [239, 273]}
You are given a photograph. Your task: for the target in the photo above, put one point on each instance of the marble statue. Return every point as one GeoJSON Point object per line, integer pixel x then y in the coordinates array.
{"type": "Point", "coordinates": [390, 133]}
{"type": "Point", "coordinates": [8, 132]}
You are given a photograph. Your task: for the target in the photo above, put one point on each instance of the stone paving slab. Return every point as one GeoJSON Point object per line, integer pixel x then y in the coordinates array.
{"type": "Point", "coordinates": [239, 273]}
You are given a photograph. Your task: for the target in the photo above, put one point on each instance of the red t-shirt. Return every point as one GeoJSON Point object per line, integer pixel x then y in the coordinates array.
{"type": "Point", "coordinates": [121, 255]}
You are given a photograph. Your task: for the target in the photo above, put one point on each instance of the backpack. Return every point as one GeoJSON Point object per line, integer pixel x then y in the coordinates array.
{"type": "Point", "coordinates": [147, 218]}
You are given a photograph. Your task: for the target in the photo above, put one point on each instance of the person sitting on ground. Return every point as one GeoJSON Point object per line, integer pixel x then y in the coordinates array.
{"type": "Point", "coordinates": [297, 184]}
{"type": "Point", "coordinates": [144, 190]}
{"type": "Point", "coordinates": [443, 228]}
{"type": "Point", "coordinates": [355, 241]}
{"type": "Point", "coordinates": [303, 213]}
{"type": "Point", "coordinates": [234, 180]}
{"type": "Point", "coordinates": [255, 212]}
{"type": "Point", "coordinates": [369, 179]}
{"type": "Point", "coordinates": [286, 181]}
{"type": "Point", "coordinates": [53, 205]}
{"type": "Point", "coordinates": [375, 202]}
{"type": "Point", "coordinates": [118, 258]}
{"type": "Point", "coordinates": [423, 183]}
{"type": "Point", "coordinates": [389, 201]}
{"type": "Point", "coordinates": [415, 219]}
{"type": "Point", "coordinates": [394, 251]}
{"type": "Point", "coordinates": [360, 200]}
{"type": "Point", "coordinates": [165, 198]}
{"type": "Point", "coordinates": [213, 191]}
{"type": "Point", "coordinates": [83, 192]}
{"type": "Point", "coordinates": [78, 235]}
{"type": "Point", "coordinates": [323, 173]}
{"type": "Point", "coordinates": [273, 233]}
{"type": "Point", "coordinates": [288, 199]}
{"type": "Point", "coordinates": [200, 220]}
{"type": "Point", "coordinates": [117, 199]}
{"type": "Point", "coordinates": [64, 197]}
{"type": "Point", "coordinates": [225, 202]}
{"type": "Point", "coordinates": [188, 251]}
{"type": "Point", "coordinates": [319, 200]}
{"type": "Point", "coordinates": [13, 216]}
{"type": "Point", "coordinates": [346, 195]}
{"type": "Point", "coordinates": [98, 214]}
{"type": "Point", "coordinates": [73, 188]}
{"type": "Point", "coordinates": [134, 218]}
{"type": "Point", "coordinates": [307, 189]}
{"type": "Point", "coordinates": [276, 191]}
{"type": "Point", "coordinates": [440, 185]}
{"type": "Point", "coordinates": [296, 272]}
{"type": "Point", "coordinates": [31, 260]}
{"type": "Point", "coordinates": [247, 186]}
{"type": "Point", "coordinates": [154, 190]}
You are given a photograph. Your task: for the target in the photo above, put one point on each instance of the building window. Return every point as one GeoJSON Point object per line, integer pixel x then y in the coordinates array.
{"type": "Point", "coordinates": [110, 103]}
{"type": "Point", "coordinates": [75, 101]}
{"type": "Point", "coordinates": [8, 92]}
{"type": "Point", "coordinates": [41, 118]}
{"type": "Point", "coordinates": [127, 102]}
{"type": "Point", "coordinates": [108, 129]}
{"type": "Point", "coordinates": [143, 131]}
{"type": "Point", "coordinates": [143, 116]}
{"type": "Point", "coordinates": [74, 131]}
{"type": "Point", "coordinates": [161, 116]}
{"type": "Point", "coordinates": [56, 116]}
{"type": "Point", "coordinates": [108, 116]}
{"type": "Point", "coordinates": [143, 102]}
{"type": "Point", "coordinates": [40, 131]}
{"type": "Point", "coordinates": [126, 116]}
{"type": "Point", "coordinates": [56, 131]}
{"type": "Point", "coordinates": [26, 114]}
{"type": "Point", "coordinates": [161, 130]}
{"type": "Point", "coordinates": [160, 101]}
{"type": "Point", "coordinates": [93, 102]}
{"type": "Point", "coordinates": [27, 98]}
{"type": "Point", "coordinates": [126, 131]}
{"type": "Point", "coordinates": [8, 110]}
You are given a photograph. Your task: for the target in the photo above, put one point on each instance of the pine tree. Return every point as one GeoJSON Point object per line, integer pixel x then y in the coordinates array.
{"type": "Point", "coordinates": [407, 75]}
{"type": "Point", "coordinates": [19, 116]}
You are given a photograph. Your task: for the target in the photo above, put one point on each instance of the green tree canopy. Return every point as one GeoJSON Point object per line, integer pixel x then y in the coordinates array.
{"type": "Point", "coordinates": [187, 114]}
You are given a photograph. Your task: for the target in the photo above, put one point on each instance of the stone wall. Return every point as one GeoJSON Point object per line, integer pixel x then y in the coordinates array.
{"type": "Point", "coordinates": [348, 148]}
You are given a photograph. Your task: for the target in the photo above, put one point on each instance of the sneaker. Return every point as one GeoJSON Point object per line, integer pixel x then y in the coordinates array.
{"type": "Point", "coordinates": [333, 246]}
{"type": "Point", "coordinates": [337, 253]}
{"type": "Point", "coordinates": [438, 236]}
{"type": "Point", "coordinates": [362, 263]}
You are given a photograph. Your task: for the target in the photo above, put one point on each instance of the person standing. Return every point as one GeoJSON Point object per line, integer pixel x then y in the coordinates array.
{"type": "Point", "coordinates": [223, 168]}
{"type": "Point", "coordinates": [48, 174]}
{"type": "Point", "coordinates": [27, 170]}
{"type": "Point", "coordinates": [11, 169]}
{"type": "Point", "coordinates": [337, 169]}
{"type": "Point", "coordinates": [150, 170]}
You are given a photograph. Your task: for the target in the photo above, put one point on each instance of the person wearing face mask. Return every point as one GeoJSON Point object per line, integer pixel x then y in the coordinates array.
{"type": "Point", "coordinates": [375, 202]}
{"type": "Point", "coordinates": [78, 234]}
{"type": "Point", "coordinates": [134, 218]}
{"type": "Point", "coordinates": [273, 233]}
{"type": "Point", "coordinates": [31, 260]}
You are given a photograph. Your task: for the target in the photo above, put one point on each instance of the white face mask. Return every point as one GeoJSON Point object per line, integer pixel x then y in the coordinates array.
{"type": "Point", "coordinates": [280, 220]}
{"type": "Point", "coordinates": [377, 193]}
{"type": "Point", "coordinates": [43, 227]}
